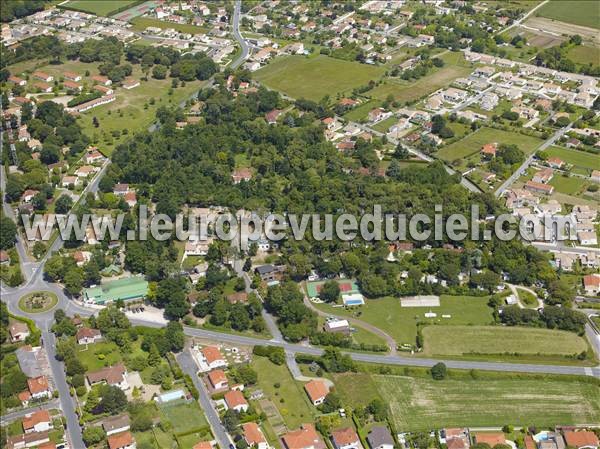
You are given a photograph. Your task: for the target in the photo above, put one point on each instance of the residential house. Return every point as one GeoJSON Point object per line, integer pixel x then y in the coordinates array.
{"type": "Point", "coordinates": [38, 421]}
{"type": "Point", "coordinates": [16, 80]}
{"type": "Point", "coordinates": [86, 335]}
{"type": "Point", "coordinates": [595, 176]}
{"type": "Point", "coordinates": [42, 76]}
{"type": "Point", "coordinates": [489, 438]}
{"type": "Point", "coordinates": [122, 440]}
{"type": "Point", "coordinates": [4, 257]}
{"type": "Point", "coordinates": [218, 380]}
{"type": "Point", "coordinates": [543, 176]}
{"type": "Point", "coordinates": [489, 150]}
{"type": "Point", "coordinates": [555, 162]}
{"type": "Point", "coordinates": [336, 326]}
{"type": "Point", "coordinates": [68, 181]}
{"type": "Point", "coordinates": [455, 438]}
{"type": "Point", "coordinates": [120, 189]}
{"type": "Point", "coordinates": [71, 85]}
{"type": "Point", "coordinates": [85, 170]}
{"type": "Point", "coordinates": [484, 72]}
{"type": "Point", "coordinates": [317, 390]}
{"type": "Point", "coordinates": [130, 83]}
{"type": "Point", "coordinates": [130, 198]}
{"type": "Point", "coordinates": [380, 438]}
{"type": "Point", "coordinates": [235, 400]}
{"type": "Point", "coordinates": [345, 438]}
{"type": "Point", "coordinates": [103, 89]}
{"type": "Point", "coordinates": [211, 358]}
{"type": "Point", "coordinates": [241, 174]}
{"type": "Point", "coordinates": [93, 156]}
{"type": "Point", "coordinates": [306, 437]}
{"type": "Point", "coordinates": [254, 436]}
{"type": "Point", "coordinates": [378, 114]}
{"type": "Point", "coordinates": [116, 424]}
{"type": "Point", "coordinates": [101, 80]}
{"type": "Point", "coordinates": [591, 284]}
{"type": "Point", "coordinates": [18, 331]}
{"type": "Point", "coordinates": [272, 116]}
{"type": "Point", "coordinates": [269, 273]}
{"type": "Point", "coordinates": [43, 87]}
{"type": "Point", "coordinates": [489, 101]}
{"type": "Point", "coordinates": [72, 76]}
{"type": "Point", "coordinates": [537, 187]}
{"type": "Point", "coordinates": [573, 142]}
{"type": "Point", "coordinates": [581, 439]}
{"type": "Point", "coordinates": [39, 388]}
{"type": "Point", "coordinates": [454, 95]}
{"type": "Point", "coordinates": [26, 440]}
{"type": "Point", "coordinates": [115, 375]}
{"type": "Point", "coordinates": [587, 237]}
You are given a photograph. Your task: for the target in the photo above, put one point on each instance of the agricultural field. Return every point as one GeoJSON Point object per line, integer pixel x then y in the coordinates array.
{"type": "Point", "coordinates": [577, 12]}
{"type": "Point", "coordinates": [141, 23]}
{"type": "Point", "coordinates": [313, 78]}
{"type": "Point", "coordinates": [99, 8]}
{"type": "Point", "coordinates": [490, 340]}
{"type": "Point", "coordinates": [584, 54]}
{"type": "Point", "coordinates": [424, 404]}
{"type": "Point", "coordinates": [583, 163]}
{"type": "Point", "coordinates": [401, 322]}
{"type": "Point", "coordinates": [287, 394]}
{"type": "Point", "coordinates": [471, 145]}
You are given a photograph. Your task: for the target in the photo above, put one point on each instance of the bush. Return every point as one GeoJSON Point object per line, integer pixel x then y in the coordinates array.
{"type": "Point", "coordinates": [439, 371]}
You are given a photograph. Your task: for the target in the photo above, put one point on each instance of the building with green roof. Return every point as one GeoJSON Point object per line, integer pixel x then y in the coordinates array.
{"type": "Point", "coordinates": [127, 289]}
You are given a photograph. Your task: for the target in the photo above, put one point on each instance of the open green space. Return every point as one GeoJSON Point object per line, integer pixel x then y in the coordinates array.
{"type": "Point", "coordinates": [423, 404]}
{"type": "Point", "coordinates": [288, 395]}
{"type": "Point", "coordinates": [582, 161]}
{"type": "Point", "coordinates": [141, 23]}
{"type": "Point", "coordinates": [38, 302]}
{"type": "Point", "coordinates": [184, 417]}
{"type": "Point", "coordinates": [492, 340]}
{"type": "Point", "coordinates": [100, 8]}
{"type": "Point", "coordinates": [313, 78]}
{"type": "Point", "coordinates": [472, 143]}
{"type": "Point", "coordinates": [568, 185]}
{"type": "Point", "coordinates": [578, 12]}
{"type": "Point", "coordinates": [96, 356]}
{"type": "Point", "coordinates": [584, 54]}
{"type": "Point", "coordinates": [401, 322]}
{"type": "Point", "coordinates": [528, 299]}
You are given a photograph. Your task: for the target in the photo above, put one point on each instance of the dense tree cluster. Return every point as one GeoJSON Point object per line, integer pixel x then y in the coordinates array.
{"type": "Point", "coordinates": [15, 9]}
{"type": "Point", "coordinates": [552, 317]}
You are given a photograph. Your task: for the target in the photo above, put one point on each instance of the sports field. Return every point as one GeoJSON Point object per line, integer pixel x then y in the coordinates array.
{"type": "Point", "coordinates": [100, 8]}
{"type": "Point", "coordinates": [472, 144]}
{"type": "Point", "coordinates": [582, 162]}
{"type": "Point", "coordinates": [401, 322]}
{"type": "Point", "coordinates": [466, 340]}
{"type": "Point", "coordinates": [313, 78]}
{"type": "Point", "coordinates": [424, 404]}
{"type": "Point", "coordinates": [579, 12]}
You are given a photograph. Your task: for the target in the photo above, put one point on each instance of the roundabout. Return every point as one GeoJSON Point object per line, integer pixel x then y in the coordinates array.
{"type": "Point", "coordinates": [38, 302]}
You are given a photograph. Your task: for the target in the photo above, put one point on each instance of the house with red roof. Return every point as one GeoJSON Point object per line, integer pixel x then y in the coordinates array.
{"type": "Point", "coordinates": [316, 390]}
{"type": "Point", "coordinates": [122, 440]}
{"type": "Point", "coordinates": [591, 284]}
{"type": "Point", "coordinates": [38, 421]}
{"type": "Point", "coordinates": [86, 335]}
{"type": "Point", "coordinates": [581, 439]}
{"type": "Point", "coordinates": [235, 400]}
{"type": "Point", "coordinates": [306, 437]}
{"type": "Point", "coordinates": [39, 388]}
{"type": "Point", "coordinates": [218, 380]}
{"type": "Point", "coordinates": [210, 357]}
{"type": "Point", "coordinates": [345, 438]}
{"type": "Point", "coordinates": [254, 436]}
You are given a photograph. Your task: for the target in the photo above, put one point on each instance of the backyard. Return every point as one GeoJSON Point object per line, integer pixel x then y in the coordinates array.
{"type": "Point", "coordinates": [313, 78]}
{"type": "Point", "coordinates": [96, 356]}
{"type": "Point", "coordinates": [582, 161]}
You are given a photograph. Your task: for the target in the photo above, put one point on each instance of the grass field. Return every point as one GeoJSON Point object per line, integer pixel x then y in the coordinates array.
{"type": "Point", "coordinates": [470, 340]}
{"type": "Point", "coordinates": [528, 299]}
{"type": "Point", "coordinates": [141, 23]}
{"type": "Point", "coordinates": [99, 355]}
{"type": "Point", "coordinates": [100, 8]}
{"type": "Point", "coordinates": [184, 417]}
{"type": "Point", "coordinates": [404, 91]}
{"type": "Point", "coordinates": [313, 78]}
{"type": "Point", "coordinates": [569, 186]}
{"type": "Point", "coordinates": [582, 162]}
{"type": "Point", "coordinates": [472, 143]}
{"type": "Point", "coordinates": [401, 322]}
{"type": "Point", "coordinates": [579, 12]}
{"type": "Point", "coordinates": [584, 54]}
{"type": "Point", "coordinates": [289, 397]}
{"type": "Point", "coordinates": [424, 404]}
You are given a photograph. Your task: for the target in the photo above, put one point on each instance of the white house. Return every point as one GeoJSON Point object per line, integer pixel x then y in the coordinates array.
{"type": "Point", "coordinates": [210, 358]}
{"type": "Point", "coordinates": [38, 421]}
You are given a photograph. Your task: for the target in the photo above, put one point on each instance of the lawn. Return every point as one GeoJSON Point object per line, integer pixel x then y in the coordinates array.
{"type": "Point", "coordinates": [184, 417]}
{"type": "Point", "coordinates": [579, 12]}
{"type": "Point", "coordinates": [582, 162]}
{"type": "Point", "coordinates": [401, 322]}
{"type": "Point", "coordinates": [356, 389]}
{"type": "Point", "coordinates": [473, 142]}
{"type": "Point", "coordinates": [289, 397]}
{"type": "Point", "coordinates": [424, 404]}
{"type": "Point", "coordinates": [99, 355]}
{"type": "Point", "coordinates": [100, 8]}
{"type": "Point", "coordinates": [313, 78]}
{"type": "Point", "coordinates": [569, 186]}
{"type": "Point", "coordinates": [141, 23]}
{"type": "Point", "coordinates": [474, 340]}
{"type": "Point", "coordinates": [408, 91]}
{"type": "Point", "coordinates": [584, 54]}
{"type": "Point", "coordinates": [528, 299]}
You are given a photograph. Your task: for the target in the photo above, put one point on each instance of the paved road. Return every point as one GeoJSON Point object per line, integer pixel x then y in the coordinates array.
{"type": "Point", "coordinates": [188, 365]}
{"type": "Point", "coordinates": [518, 22]}
{"type": "Point", "coordinates": [10, 417]}
{"type": "Point", "coordinates": [525, 165]}
{"type": "Point", "coordinates": [238, 36]}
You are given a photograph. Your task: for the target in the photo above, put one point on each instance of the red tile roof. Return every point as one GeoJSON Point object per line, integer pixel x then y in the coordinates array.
{"type": "Point", "coordinates": [34, 418]}
{"type": "Point", "coordinates": [235, 399]}
{"type": "Point", "coordinates": [37, 384]}
{"type": "Point", "coordinates": [316, 389]}
{"type": "Point", "coordinates": [302, 438]}
{"type": "Point", "coordinates": [253, 434]}
{"type": "Point", "coordinates": [120, 440]}
{"type": "Point", "coordinates": [343, 437]}
{"type": "Point", "coordinates": [580, 438]}
{"type": "Point", "coordinates": [491, 438]}
{"type": "Point", "coordinates": [211, 354]}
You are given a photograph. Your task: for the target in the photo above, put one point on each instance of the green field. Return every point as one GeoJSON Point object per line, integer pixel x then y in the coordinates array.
{"type": "Point", "coordinates": [313, 78]}
{"type": "Point", "coordinates": [584, 54]}
{"type": "Point", "coordinates": [582, 162]}
{"type": "Point", "coordinates": [569, 186]}
{"type": "Point", "coordinates": [401, 322]}
{"type": "Point", "coordinates": [100, 8]}
{"type": "Point", "coordinates": [579, 12]}
{"type": "Point", "coordinates": [99, 355]}
{"type": "Point", "coordinates": [424, 404]}
{"type": "Point", "coordinates": [528, 299]}
{"type": "Point", "coordinates": [183, 417]}
{"type": "Point", "coordinates": [141, 23]}
{"type": "Point", "coordinates": [473, 340]}
{"type": "Point", "coordinates": [289, 397]}
{"type": "Point", "coordinates": [472, 144]}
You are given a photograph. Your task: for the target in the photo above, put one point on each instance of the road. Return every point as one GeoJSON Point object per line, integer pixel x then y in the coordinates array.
{"type": "Point", "coordinates": [189, 366]}
{"type": "Point", "coordinates": [10, 417]}
{"type": "Point", "coordinates": [518, 22]}
{"type": "Point", "coordinates": [525, 165]}
{"type": "Point", "coordinates": [238, 36]}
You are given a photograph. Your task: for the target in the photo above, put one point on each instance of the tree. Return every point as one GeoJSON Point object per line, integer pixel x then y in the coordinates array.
{"type": "Point", "coordinates": [231, 420]}
{"type": "Point", "coordinates": [93, 435]}
{"type": "Point", "coordinates": [8, 233]}
{"type": "Point", "coordinates": [335, 362]}
{"type": "Point", "coordinates": [175, 336]}
{"type": "Point", "coordinates": [330, 291]}
{"type": "Point", "coordinates": [154, 357]}
{"type": "Point", "coordinates": [332, 403]}
{"type": "Point", "coordinates": [439, 371]}
{"type": "Point", "coordinates": [63, 204]}
{"type": "Point", "coordinates": [159, 72]}
{"type": "Point", "coordinates": [74, 281]}
{"type": "Point", "coordinates": [113, 400]}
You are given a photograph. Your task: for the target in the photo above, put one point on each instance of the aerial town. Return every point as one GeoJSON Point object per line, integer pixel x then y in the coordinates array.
{"type": "Point", "coordinates": [140, 111]}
